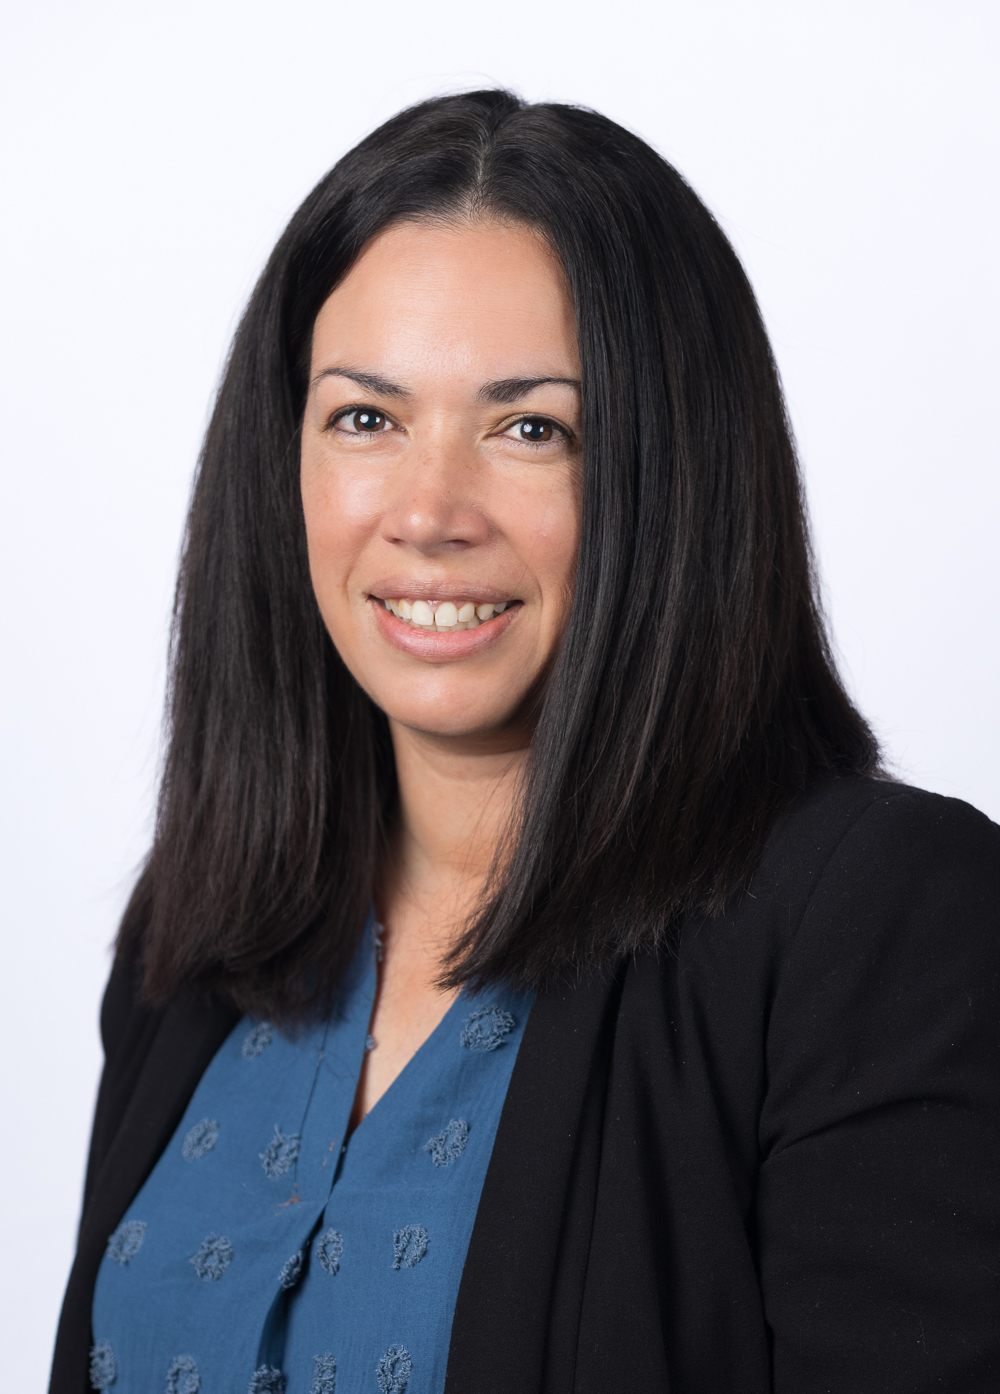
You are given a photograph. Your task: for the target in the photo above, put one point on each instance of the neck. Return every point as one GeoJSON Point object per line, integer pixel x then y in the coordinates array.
{"type": "Point", "coordinates": [455, 800]}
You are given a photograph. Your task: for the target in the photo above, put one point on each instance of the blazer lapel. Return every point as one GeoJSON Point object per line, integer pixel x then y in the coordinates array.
{"type": "Point", "coordinates": [516, 1319]}
{"type": "Point", "coordinates": [188, 1037]}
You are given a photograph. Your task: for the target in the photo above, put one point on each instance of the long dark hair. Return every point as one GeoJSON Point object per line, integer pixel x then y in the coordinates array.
{"type": "Point", "coordinates": [694, 694]}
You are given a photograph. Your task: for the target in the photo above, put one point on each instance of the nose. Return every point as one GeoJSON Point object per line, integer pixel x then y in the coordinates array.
{"type": "Point", "coordinates": [432, 505]}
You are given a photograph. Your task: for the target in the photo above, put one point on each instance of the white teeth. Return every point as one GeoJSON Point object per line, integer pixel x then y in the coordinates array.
{"type": "Point", "coordinates": [444, 615]}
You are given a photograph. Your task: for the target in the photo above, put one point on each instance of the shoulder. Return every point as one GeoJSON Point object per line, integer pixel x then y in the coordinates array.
{"type": "Point", "coordinates": [904, 912]}
{"type": "Point", "coordinates": [869, 841]}
{"type": "Point", "coordinates": [878, 1117]}
{"type": "Point", "coordinates": [886, 983]}
{"type": "Point", "coordinates": [894, 814]}
{"type": "Point", "coordinates": [865, 888]}
{"type": "Point", "coordinates": [860, 969]}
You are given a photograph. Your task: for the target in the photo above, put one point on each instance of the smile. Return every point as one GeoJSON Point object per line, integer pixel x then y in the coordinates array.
{"type": "Point", "coordinates": [443, 616]}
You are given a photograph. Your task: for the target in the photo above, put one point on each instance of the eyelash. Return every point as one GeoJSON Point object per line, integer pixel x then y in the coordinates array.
{"type": "Point", "coordinates": [344, 412]}
{"type": "Point", "coordinates": [545, 420]}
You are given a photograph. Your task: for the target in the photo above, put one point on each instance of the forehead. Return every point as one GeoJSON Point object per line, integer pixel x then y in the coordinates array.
{"type": "Point", "coordinates": [491, 296]}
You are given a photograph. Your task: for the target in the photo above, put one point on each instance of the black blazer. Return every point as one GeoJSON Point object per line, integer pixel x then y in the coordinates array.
{"type": "Point", "coordinates": [769, 1162]}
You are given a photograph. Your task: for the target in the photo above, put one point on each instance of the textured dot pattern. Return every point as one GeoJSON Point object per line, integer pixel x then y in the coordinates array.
{"type": "Point", "coordinates": [276, 1246]}
{"type": "Point", "coordinates": [213, 1257]}
{"type": "Point", "coordinates": [487, 1028]}
{"type": "Point", "coordinates": [183, 1376]}
{"type": "Point", "coordinates": [447, 1146]}
{"type": "Point", "coordinates": [266, 1379]}
{"type": "Point", "coordinates": [199, 1140]}
{"type": "Point", "coordinates": [409, 1245]}
{"type": "Point", "coordinates": [291, 1272]}
{"type": "Point", "coordinates": [280, 1155]}
{"type": "Point", "coordinates": [126, 1241]}
{"type": "Point", "coordinates": [103, 1366]}
{"type": "Point", "coordinates": [324, 1380]}
{"type": "Point", "coordinates": [393, 1370]}
{"type": "Point", "coordinates": [257, 1040]}
{"type": "Point", "coordinates": [330, 1250]}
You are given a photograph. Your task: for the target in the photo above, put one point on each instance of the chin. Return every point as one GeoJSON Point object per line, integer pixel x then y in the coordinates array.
{"type": "Point", "coordinates": [460, 725]}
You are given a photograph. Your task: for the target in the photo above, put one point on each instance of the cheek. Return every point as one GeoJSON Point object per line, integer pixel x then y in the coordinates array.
{"type": "Point", "coordinates": [341, 509]}
{"type": "Point", "coordinates": [547, 526]}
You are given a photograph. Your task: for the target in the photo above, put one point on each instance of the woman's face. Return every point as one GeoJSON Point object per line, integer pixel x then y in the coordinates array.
{"type": "Point", "coordinates": [440, 473]}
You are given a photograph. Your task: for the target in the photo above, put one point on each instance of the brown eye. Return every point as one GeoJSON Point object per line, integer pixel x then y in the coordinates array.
{"type": "Point", "coordinates": [365, 420]}
{"type": "Point", "coordinates": [535, 430]}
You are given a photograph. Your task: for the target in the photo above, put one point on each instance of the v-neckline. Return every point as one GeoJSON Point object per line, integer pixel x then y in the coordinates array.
{"type": "Point", "coordinates": [408, 1068]}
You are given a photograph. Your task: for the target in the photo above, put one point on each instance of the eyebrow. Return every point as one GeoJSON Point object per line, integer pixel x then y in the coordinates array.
{"type": "Point", "coordinates": [499, 393]}
{"type": "Point", "coordinates": [512, 389]}
{"type": "Point", "coordinates": [371, 382]}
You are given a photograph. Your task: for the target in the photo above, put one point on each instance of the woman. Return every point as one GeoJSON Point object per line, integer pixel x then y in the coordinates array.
{"type": "Point", "coordinates": [534, 984]}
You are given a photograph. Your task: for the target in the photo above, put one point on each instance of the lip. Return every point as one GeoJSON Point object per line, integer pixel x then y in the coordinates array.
{"type": "Point", "coordinates": [393, 587]}
{"type": "Point", "coordinates": [440, 647]}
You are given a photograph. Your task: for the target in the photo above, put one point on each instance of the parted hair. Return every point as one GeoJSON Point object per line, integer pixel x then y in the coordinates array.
{"type": "Point", "coordinates": [694, 694]}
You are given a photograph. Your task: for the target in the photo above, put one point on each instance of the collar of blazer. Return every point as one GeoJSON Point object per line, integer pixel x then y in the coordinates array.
{"type": "Point", "coordinates": [528, 1252]}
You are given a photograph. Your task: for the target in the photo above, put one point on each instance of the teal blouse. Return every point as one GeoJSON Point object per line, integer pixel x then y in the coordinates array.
{"type": "Point", "coordinates": [271, 1253]}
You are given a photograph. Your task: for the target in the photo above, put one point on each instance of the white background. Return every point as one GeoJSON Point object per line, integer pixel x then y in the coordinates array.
{"type": "Point", "coordinates": [153, 154]}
